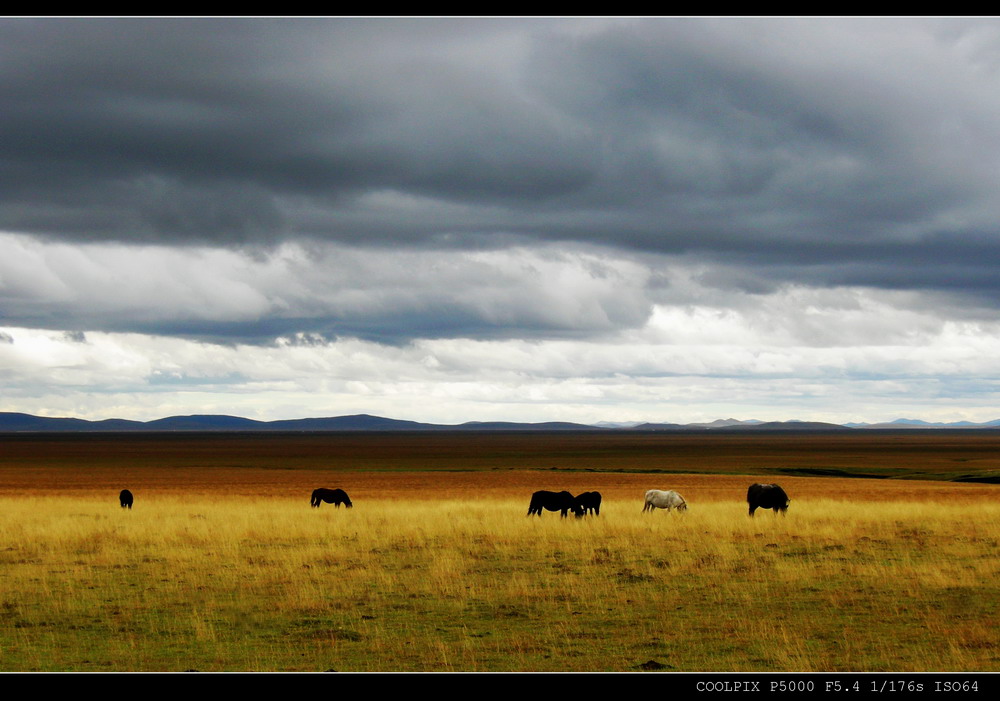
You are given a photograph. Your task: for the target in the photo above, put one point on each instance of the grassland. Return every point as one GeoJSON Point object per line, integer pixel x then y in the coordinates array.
{"type": "Point", "coordinates": [222, 565]}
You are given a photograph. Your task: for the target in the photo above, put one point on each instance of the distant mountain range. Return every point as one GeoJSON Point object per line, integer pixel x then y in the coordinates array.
{"type": "Point", "coordinates": [917, 423]}
{"type": "Point", "coordinates": [16, 422]}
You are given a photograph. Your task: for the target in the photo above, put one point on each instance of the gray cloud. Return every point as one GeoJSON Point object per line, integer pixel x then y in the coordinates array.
{"type": "Point", "coordinates": [764, 152]}
{"type": "Point", "coordinates": [264, 110]}
{"type": "Point", "coordinates": [663, 135]}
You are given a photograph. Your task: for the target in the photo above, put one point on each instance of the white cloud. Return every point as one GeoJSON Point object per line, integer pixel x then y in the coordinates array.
{"type": "Point", "coordinates": [331, 289]}
{"type": "Point", "coordinates": [687, 363]}
{"type": "Point", "coordinates": [668, 219]}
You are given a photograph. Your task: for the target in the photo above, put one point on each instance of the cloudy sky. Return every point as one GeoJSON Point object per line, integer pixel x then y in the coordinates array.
{"type": "Point", "coordinates": [501, 219]}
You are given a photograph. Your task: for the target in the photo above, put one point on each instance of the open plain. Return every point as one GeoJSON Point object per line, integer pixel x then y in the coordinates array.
{"type": "Point", "coordinates": [223, 566]}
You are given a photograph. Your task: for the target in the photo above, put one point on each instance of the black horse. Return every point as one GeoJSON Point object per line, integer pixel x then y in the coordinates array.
{"type": "Point", "coordinates": [125, 498]}
{"type": "Point", "coordinates": [767, 496]}
{"type": "Point", "coordinates": [590, 502]}
{"type": "Point", "coordinates": [330, 496]}
{"type": "Point", "coordinates": [554, 501]}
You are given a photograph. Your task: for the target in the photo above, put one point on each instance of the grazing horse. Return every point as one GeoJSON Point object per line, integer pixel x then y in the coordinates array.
{"type": "Point", "coordinates": [330, 496]}
{"type": "Point", "coordinates": [658, 499]}
{"type": "Point", "coordinates": [767, 496]}
{"type": "Point", "coordinates": [125, 498]}
{"type": "Point", "coordinates": [554, 501]}
{"type": "Point", "coordinates": [590, 502]}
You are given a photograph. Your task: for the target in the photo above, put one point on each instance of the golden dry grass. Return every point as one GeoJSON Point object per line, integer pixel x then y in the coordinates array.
{"type": "Point", "coordinates": [222, 565]}
{"type": "Point", "coordinates": [211, 583]}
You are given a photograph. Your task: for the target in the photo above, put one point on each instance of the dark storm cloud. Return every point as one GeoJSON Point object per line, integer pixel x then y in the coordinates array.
{"type": "Point", "coordinates": [858, 152]}
{"type": "Point", "coordinates": [110, 126]}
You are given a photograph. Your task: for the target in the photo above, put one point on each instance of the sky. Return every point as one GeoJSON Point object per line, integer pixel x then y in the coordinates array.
{"type": "Point", "coordinates": [520, 219]}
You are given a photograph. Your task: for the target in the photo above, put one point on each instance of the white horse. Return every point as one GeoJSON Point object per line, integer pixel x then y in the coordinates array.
{"type": "Point", "coordinates": [658, 499]}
